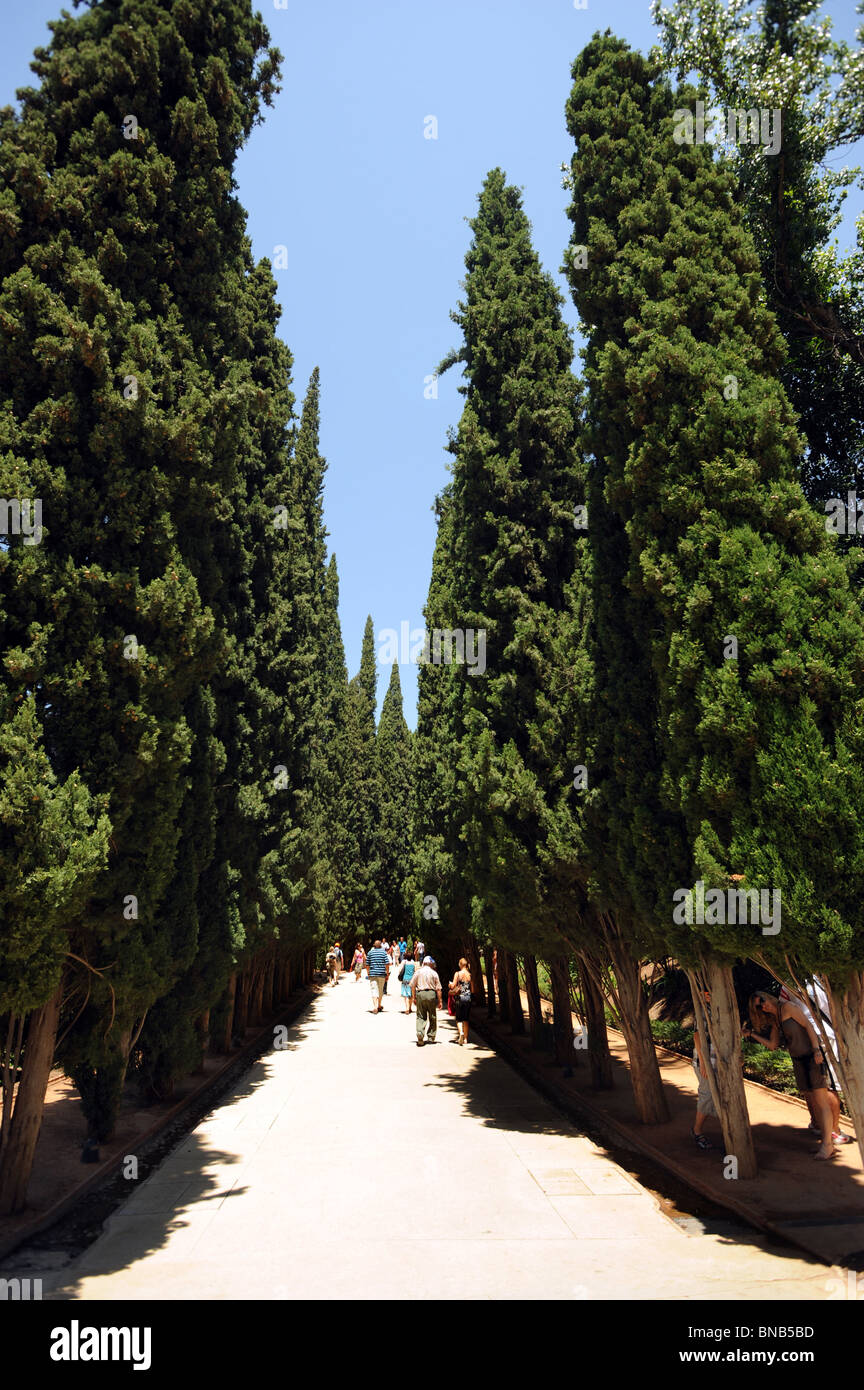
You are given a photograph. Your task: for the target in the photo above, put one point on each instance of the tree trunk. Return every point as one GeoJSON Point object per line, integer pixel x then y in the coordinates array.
{"type": "Point", "coordinates": [478, 993]}
{"type": "Point", "coordinates": [271, 993]}
{"type": "Point", "coordinates": [727, 1084]}
{"type": "Point", "coordinates": [16, 1161]}
{"type": "Point", "coordinates": [847, 1017]}
{"type": "Point", "coordinates": [562, 1014]}
{"type": "Point", "coordinates": [202, 1028]}
{"type": "Point", "coordinates": [535, 1009]}
{"type": "Point", "coordinates": [256, 994]}
{"type": "Point", "coordinates": [636, 1026]}
{"type": "Point", "coordinates": [599, 1056]}
{"type": "Point", "coordinates": [11, 1062]}
{"type": "Point", "coordinates": [502, 963]}
{"type": "Point", "coordinates": [241, 1006]}
{"type": "Point", "coordinates": [222, 1043]}
{"type": "Point", "coordinates": [490, 981]}
{"type": "Point", "coordinates": [517, 1016]}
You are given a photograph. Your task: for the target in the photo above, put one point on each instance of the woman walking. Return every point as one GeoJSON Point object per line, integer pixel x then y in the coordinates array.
{"type": "Point", "coordinates": [357, 963]}
{"type": "Point", "coordinates": [775, 1019]}
{"type": "Point", "coordinates": [460, 993]}
{"type": "Point", "coordinates": [406, 975]}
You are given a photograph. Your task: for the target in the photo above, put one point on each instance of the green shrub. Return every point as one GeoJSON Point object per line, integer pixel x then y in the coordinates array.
{"type": "Point", "coordinates": [672, 1034]}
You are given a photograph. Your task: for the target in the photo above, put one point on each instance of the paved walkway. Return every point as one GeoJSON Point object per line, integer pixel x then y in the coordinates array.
{"type": "Point", "coordinates": [353, 1164]}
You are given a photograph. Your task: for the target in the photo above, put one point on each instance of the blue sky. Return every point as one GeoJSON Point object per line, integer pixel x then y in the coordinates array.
{"type": "Point", "coordinates": [373, 218]}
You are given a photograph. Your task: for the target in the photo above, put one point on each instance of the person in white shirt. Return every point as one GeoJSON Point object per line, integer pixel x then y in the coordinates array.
{"type": "Point", "coordinates": [426, 993]}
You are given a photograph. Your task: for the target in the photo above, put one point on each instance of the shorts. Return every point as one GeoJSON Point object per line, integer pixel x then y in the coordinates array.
{"type": "Point", "coordinates": [810, 1075]}
{"type": "Point", "coordinates": [704, 1099]}
{"type": "Point", "coordinates": [376, 984]}
{"type": "Point", "coordinates": [461, 1010]}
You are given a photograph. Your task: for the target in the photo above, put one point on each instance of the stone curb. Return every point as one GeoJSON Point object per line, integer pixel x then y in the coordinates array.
{"type": "Point", "coordinates": [240, 1059]}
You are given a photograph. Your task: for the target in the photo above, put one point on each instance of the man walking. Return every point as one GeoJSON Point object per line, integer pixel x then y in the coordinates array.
{"type": "Point", "coordinates": [378, 967]}
{"type": "Point", "coordinates": [334, 963]}
{"type": "Point", "coordinates": [426, 993]}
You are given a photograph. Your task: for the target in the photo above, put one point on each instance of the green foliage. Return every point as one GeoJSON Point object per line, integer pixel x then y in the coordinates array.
{"type": "Point", "coordinates": [166, 631]}
{"type": "Point", "coordinates": [53, 844]}
{"type": "Point", "coordinates": [393, 750]}
{"type": "Point", "coordinates": [361, 803]}
{"type": "Point", "coordinates": [669, 1032]}
{"type": "Point", "coordinates": [783, 56]}
{"type": "Point", "coordinates": [701, 531]}
{"type": "Point", "coordinates": [508, 528]}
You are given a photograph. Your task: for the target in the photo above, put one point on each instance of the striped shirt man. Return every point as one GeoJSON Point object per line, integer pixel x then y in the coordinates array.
{"type": "Point", "coordinates": [377, 962]}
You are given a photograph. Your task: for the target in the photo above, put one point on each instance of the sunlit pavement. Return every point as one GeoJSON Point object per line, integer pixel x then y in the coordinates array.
{"type": "Point", "coordinates": [353, 1164]}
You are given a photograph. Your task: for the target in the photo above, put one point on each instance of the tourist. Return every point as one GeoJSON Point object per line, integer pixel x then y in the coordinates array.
{"type": "Point", "coordinates": [334, 963]}
{"type": "Point", "coordinates": [403, 948]}
{"type": "Point", "coordinates": [818, 1000]}
{"type": "Point", "coordinates": [378, 967]}
{"type": "Point", "coordinates": [771, 1019]}
{"type": "Point", "coordinates": [426, 994]}
{"type": "Point", "coordinates": [460, 993]}
{"type": "Point", "coordinates": [358, 962]}
{"type": "Point", "coordinates": [388, 951]}
{"type": "Point", "coordinates": [419, 951]}
{"type": "Point", "coordinates": [406, 974]}
{"type": "Point", "coordinates": [703, 1057]}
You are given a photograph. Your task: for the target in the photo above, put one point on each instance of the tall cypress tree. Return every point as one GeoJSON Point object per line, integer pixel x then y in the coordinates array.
{"type": "Point", "coordinates": [120, 221]}
{"type": "Point", "coordinates": [301, 744]}
{"type": "Point", "coordinates": [333, 843]}
{"type": "Point", "coordinates": [361, 806]}
{"type": "Point", "coordinates": [782, 58]}
{"type": "Point", "coordinates": [440, 884]}
{"type": "Point", "coordinates": [754, 644]}
{"type": "Point", "coordinates": [517, 476]}
{"type": "Point", "coordinates": [393, 750]}
{"type": "Point", "coordinates": [218, 911]}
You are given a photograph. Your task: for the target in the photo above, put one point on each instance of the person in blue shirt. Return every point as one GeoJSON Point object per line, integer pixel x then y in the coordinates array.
{"type": "Point", "coordinates": [378, 966]}
{"type": "Point", "coordinates": [406, 974]}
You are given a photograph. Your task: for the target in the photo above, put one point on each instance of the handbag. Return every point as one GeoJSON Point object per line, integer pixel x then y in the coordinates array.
{"type": "Point", "coordinates": [401, 975]}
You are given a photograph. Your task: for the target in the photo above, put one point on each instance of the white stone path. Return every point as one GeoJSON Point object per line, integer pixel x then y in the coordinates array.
{"type": "Point", "coordinates": [353, 1164]}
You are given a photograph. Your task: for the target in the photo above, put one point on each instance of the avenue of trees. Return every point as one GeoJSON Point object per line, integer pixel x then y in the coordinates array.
{"type": "Point", "coordinates": [675, 644]}
{"type": "Point", "coordinates": [195, 800]}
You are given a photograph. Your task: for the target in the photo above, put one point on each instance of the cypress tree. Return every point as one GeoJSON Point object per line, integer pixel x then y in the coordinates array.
{"type": "Point", "coordinates": [216, 911]}
{"type": "Point", "coordinates": [782, 59]}
{"type": "Point", "coordinates": [517, 476]}
{"type": "Point", "coordinates": [361, 805]}
{"type": "Point", "coordinates": [393, 749]}
{"type": "Point", "coordinates": [440, 881]}
{"type": "Point", "coordinates": [120, 220]}
{"type": "Point", "coordinates": [753, 644]}
{"type": "Point", "coordinates": [301, 734]}
{"type": "Point", "coordinates": [333, 848]}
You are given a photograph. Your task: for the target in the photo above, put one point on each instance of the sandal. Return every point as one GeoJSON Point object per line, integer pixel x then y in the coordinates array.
{"type": "Point", "coordinates": [825, 1157]}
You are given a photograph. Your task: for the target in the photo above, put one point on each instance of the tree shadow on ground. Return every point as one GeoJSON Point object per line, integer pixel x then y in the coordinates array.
{"type": "Point", "coordinates": [532, 1113]}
